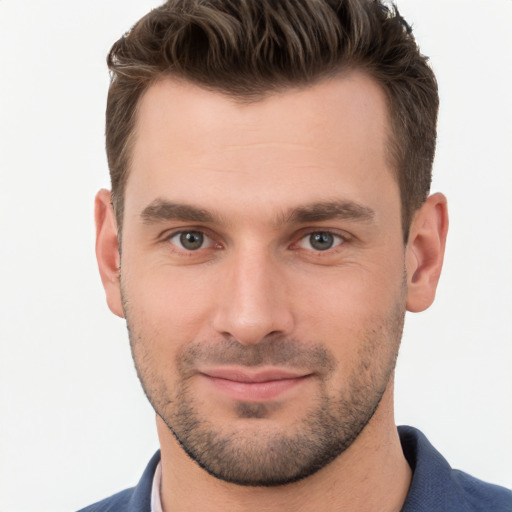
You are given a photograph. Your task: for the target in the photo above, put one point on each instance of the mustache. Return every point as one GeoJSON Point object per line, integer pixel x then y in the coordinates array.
{"type": "Point", "coordinates": [274, 350]}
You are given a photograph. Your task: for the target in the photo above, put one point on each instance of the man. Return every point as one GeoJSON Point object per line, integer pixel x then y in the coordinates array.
{"type": "Point", "coordinates": [269, 225]}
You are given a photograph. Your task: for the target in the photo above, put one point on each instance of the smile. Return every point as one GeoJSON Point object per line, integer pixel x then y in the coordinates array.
{"type": "Point", "coordinates": [256, 386]}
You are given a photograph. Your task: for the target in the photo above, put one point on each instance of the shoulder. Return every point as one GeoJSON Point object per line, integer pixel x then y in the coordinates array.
{"type": "Point", "coordinates": [481, 495]}
{"type": "Point", "coordinates": [116, 503]}
{"type": "Point", "coordinates": [436, 486]}
{"type": "Point", "coordinates": [135, 499]}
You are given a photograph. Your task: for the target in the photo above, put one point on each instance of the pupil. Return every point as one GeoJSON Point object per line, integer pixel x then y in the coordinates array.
{"type": "Point", "coordinates": [192, 240]}
{"type": "Point", "coordinates": [321, 241]}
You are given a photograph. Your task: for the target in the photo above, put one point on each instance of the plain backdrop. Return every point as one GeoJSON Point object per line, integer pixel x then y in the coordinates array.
{"type": "Point", "coordinates": [74, 424]}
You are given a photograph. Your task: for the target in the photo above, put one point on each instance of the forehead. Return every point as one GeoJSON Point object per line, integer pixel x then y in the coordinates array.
{"type": "Point", "coordinates": [193, 142]}
{"type": "Point", "coordinates": [328, 109]}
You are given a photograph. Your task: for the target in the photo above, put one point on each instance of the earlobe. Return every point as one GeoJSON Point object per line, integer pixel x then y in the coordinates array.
{"type": "Point", "coordinates": [425, 252]}
{"type": "Point", "coordinates": [107, 250]}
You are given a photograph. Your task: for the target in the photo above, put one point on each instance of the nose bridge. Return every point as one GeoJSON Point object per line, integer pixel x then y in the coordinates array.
{"type": "Point", "coordinates": [252, 303]}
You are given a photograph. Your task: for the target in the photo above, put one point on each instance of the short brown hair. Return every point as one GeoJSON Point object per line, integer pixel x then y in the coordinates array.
{"type": "Point", "coordinates": [250, 48]}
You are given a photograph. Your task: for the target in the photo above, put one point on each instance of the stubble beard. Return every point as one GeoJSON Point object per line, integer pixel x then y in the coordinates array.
{"type": "Point", "coordinates": [264, 457]}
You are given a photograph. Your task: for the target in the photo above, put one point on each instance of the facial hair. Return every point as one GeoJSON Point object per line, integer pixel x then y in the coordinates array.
{"type": "Point", "coordinates": [271, 457]}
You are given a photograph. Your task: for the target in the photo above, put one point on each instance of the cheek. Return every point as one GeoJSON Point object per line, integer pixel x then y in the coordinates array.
{"type": "Point", "coordinates": [167, 304]}
{"type": "Point", "coordinates": [350, 307]}
{"type": "Point", "coordinates": [346, 296]}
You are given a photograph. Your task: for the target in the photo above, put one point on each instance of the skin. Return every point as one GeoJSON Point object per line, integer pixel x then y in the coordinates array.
{"type": "Point", "coordinates": [259, 170]}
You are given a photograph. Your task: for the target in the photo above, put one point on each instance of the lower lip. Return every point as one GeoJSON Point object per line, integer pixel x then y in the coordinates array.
{"type": "Point", "coordinates": [254, 391]}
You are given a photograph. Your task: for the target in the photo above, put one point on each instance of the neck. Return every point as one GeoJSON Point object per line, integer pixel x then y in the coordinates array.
{"type": "Point", "coordinates": [372, 474]}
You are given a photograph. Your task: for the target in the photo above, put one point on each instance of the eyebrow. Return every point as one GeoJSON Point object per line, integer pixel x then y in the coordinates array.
{"type": "Point", "coordinates": [161, 210]}
{"type": "Point", "coordinates": [330, 210]}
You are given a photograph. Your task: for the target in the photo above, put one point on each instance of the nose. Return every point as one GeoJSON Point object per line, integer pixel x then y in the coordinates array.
{"type": "Point", "coordinates": [253, 301]}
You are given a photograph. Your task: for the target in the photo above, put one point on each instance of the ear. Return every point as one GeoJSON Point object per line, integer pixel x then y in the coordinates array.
{"type": "Point", "coordinates": [425, 252]}
{"type": "Point", "coordinates": [107, 250]}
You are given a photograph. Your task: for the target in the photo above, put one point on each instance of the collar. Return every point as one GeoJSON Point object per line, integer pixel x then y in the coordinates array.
{"type": "Point", "coordinates": [435, 486]}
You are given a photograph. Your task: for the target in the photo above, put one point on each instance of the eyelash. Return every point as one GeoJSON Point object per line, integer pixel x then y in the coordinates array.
{"type": "Point", "coordinates": [182, 249]}
{"type": "Point", "coordinates": [340, 239]}
{"type": "Point", "coordinates": [337, 241]}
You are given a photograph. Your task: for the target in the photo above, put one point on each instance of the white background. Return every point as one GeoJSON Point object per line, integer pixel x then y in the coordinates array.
{"type": "Point", "coordinates": [74, 424]}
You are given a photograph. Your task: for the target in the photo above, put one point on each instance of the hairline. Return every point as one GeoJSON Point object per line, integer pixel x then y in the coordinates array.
{"type": "Point", "coordinates": [391, 136]}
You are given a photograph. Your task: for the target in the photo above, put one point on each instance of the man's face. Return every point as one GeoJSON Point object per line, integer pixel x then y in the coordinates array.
{"type": "Point", "coordinates": [262, 272]}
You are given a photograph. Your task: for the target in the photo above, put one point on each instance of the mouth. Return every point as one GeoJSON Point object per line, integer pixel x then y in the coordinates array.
{"type": "Point", "coordinates": [254, 386]}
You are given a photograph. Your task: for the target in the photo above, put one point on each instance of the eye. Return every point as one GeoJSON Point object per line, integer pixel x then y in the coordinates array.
{"type": "Point", "coordinates": [191, 240]}
{"type": "Point", "coordinates": [320, 241]}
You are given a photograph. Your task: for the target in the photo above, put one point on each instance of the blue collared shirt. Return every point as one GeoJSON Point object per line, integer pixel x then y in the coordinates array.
{"type": "Point", "coordinates": [435, 486]}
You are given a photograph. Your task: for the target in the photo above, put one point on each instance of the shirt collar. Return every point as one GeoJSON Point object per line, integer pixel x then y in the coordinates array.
{"type": "Point", "coordinates": [433, 478]}
{"type": "Point", "coordinates": [156, 503]}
